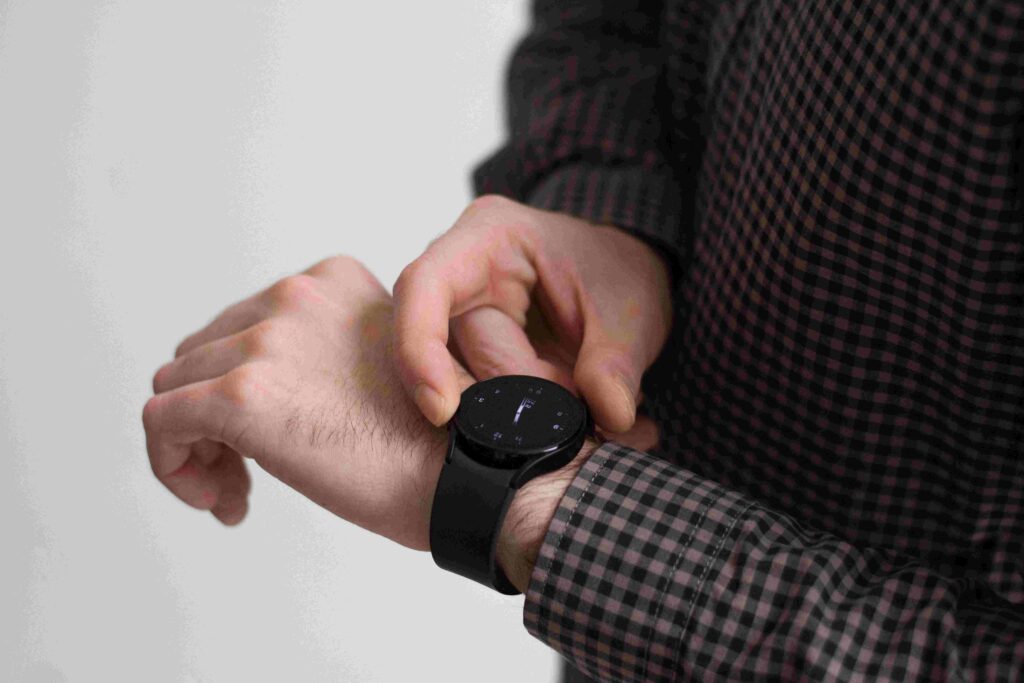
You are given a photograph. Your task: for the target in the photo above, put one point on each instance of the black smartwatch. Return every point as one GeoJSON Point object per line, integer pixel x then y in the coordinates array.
{"type": "Point", "coordinates": [506, 431]}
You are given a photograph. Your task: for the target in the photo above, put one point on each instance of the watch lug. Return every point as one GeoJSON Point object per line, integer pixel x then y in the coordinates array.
{"type": "Point", "coordinates": [457, 454]}
{"type": "Point", "coordinates": [546, 463]}
{"type": "Point", "coordinates": [556, 460]}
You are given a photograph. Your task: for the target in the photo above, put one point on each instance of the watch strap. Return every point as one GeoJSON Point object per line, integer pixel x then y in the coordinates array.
{"type": "Point", "coordinates": [469, 507]}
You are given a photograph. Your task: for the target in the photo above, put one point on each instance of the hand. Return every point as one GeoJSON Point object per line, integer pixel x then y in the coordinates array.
{"type": "Point", "coordinates": [301, 379]}
{"type": "Point", "coordinates": [527, 291]}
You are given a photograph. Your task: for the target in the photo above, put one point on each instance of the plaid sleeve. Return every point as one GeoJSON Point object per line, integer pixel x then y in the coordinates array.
{"type": "Point", "coordinates": [650, 573]}
{"type": "Point", "coordinates": [584, 104]}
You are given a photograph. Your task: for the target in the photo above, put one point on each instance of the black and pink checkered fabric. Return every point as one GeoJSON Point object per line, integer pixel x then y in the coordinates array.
{"type": "Point", "coordinates": [839, 491]}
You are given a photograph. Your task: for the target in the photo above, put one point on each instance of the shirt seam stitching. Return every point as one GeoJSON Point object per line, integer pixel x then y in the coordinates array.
{"type": "Point", "coordinates": [666, 581]}
{"type": "Point", "coordinates": [704, 576]}
{"type": "Point", "coordinates": [569, 520]}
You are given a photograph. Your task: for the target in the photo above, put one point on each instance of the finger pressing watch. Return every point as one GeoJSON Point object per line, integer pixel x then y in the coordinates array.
{"type": "Point", "coordinates": [506, 431]}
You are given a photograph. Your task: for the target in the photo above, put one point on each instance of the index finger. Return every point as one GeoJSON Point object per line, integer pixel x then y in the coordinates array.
{"type": "Point", "coordinates": [461, 270]}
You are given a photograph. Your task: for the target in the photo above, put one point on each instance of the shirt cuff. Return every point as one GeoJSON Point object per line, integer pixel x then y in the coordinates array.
{"type": "Point", "coordinates": [625, 563]}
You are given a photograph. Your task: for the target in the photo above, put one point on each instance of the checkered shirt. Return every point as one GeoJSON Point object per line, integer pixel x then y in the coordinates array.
{"type": "Point", "coordinates": [839, 486]}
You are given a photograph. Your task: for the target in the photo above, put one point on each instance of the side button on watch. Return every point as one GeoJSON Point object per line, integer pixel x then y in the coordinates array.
{"type": "Point", "coordinates": [506, 431]}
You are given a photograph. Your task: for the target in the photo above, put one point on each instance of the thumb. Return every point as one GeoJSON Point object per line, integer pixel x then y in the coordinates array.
{"type": "Point", "coordinates": [608, 373]}
{"type": "Point", "coordinates": [643, 436]}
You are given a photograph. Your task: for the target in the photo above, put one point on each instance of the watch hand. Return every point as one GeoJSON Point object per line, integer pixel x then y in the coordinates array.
{"type": "Point", "coordinates": [520, 409]}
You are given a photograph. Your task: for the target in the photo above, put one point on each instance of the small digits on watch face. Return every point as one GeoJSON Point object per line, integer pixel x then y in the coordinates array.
{"type": "Point", "coordinates": [514, 417]}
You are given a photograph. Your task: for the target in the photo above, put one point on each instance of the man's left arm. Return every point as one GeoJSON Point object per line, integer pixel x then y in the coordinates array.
{"type": "Point", "coordinates": [300, 379]}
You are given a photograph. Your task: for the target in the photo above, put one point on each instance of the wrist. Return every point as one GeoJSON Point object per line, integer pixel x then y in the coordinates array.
{"type": "Point", "coordinates": [529, 515]}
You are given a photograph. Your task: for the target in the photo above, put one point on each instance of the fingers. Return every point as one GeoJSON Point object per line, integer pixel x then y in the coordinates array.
{"type": "Point", "coordinates": [642, 436]}
{"type": "Point", "coordinates": [608, 373]}
{"type": "Point", "coordinates": [460, 271]}
{"type": "Point", "coordinates": [343, 275]}
{"type": "Point", "coordinates": [233, 486]}
{"type": "Point", "coordinates": [213, 478]}
{"type": "Point", "coordinates": [493, 344]}
{"type": "Point", "coordinates": [178, 424]}
{"type": "Point", "coordinates": [207, 361]}
{"type": "Point", "coordinates": [234, 318]}
{"type": "Point", "coordinates": [464, 379]}
{"type": "Point", "coordinates": [423, 304]}
{"type": "Point", "coordinates": [225, 344]}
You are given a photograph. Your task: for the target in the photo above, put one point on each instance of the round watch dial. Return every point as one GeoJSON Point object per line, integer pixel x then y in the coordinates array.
{"type": "Point", "coordinates": [516, 416]}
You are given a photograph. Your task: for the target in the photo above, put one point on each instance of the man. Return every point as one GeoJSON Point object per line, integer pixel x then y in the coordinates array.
{"type": "Point", "coordinates": [807, 215]}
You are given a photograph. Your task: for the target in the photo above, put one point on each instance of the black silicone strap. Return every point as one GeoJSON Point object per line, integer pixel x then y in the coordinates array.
{"type": "Point", "coordinates": [469, 507]}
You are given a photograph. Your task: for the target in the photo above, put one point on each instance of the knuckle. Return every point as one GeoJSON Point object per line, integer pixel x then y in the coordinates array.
{"type": "Point", "coordinates": [332, 263]}
{"type": "Point", "coordinates": [344, 268]}
{"type": "Point", "coordinates": [240, 386]}
{"type": "Point", "coordinates": [345, 262]}
{"type": "Point", "coordinates": [293, 291]}
{"type": "Point", "coordinates": [410, 276]}
{"type": "Point", "coordinates": [357, 269]}
{"type": "Point", "coordinates": [501, 214]}
{"type": "Point", "coordinates": [491, 202]}
{"type": "Point", "coordinates": [260, 340]}
{"type": "Point", "coordinates": [501, 221]}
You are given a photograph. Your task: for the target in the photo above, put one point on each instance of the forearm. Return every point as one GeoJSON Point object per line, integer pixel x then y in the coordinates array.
{"type": "Point", "coordinates": [529, 516]}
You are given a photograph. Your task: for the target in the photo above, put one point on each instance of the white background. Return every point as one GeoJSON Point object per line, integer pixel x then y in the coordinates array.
{"type": "Point", "coordinates": [159, 161]}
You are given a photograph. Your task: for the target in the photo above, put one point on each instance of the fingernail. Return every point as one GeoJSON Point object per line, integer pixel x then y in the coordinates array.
{"type": "Point", "coordinates": [430, 403]}
{"type": "Point", "coordinates": [627, 396]}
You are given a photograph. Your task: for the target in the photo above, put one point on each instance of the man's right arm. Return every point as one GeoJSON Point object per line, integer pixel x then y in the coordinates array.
{"type": "Point", "coordinates": [598, 138]}
{"type": "Point", "coordinates": [649, 572]}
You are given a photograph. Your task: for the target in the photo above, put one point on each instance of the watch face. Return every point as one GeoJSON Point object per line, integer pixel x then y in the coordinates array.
{"type": "Point", "coordinates": [514, 417]}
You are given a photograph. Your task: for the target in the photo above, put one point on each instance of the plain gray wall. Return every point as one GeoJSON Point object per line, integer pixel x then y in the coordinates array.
{"type": "Point", "coordinates": [159, 161]}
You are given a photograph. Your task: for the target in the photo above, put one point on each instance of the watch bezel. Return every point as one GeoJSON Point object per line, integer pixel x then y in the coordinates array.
{"type": "Point", "coordinates": [532, 461]}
